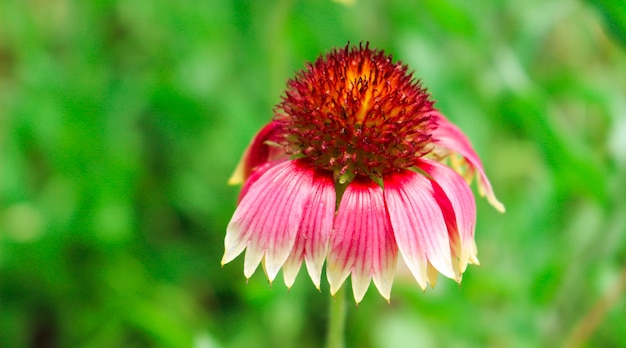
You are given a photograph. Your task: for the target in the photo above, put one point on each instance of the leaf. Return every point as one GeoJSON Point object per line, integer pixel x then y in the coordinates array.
{"type": "Point", "coordinates": [614, 13]}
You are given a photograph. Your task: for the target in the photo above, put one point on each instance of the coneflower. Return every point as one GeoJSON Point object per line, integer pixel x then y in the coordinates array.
{"type": "Point", "coordinates": [356, 168]}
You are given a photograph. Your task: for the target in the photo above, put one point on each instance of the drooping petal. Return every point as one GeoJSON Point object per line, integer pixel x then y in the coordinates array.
{"type": "Point", "coordinates": [315, 228]}
{"type": "Point", "coordinates": [362, 242]}
{"type": "Point", "coordinates": [452, 138]}
{"type": "Point", "coordinates": [259, 151]}
{"type": "Point", "coordinates": [384, 255]}
{"type": "Point", "coordinates": [267, 219]}
{"type": "Point", "coordinates": [418, 224]}
{"type": "Point", "coordinates": [461, 211]}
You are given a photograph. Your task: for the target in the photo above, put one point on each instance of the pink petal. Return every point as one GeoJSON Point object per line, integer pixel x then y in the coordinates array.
{"type": "Point", "coordinates": [362, 242]}
{"type": "Point", "coordinates": [458, 205]}
{"type": "Point", "coordinates": [312, 239]}
{"type": "Point", "coordinates": [452, 138]}
{"type": "Point", "coordinates": [259, 152]}
{"type": "Point", "coordinates": [267, 219]}
{"type": "Point", "coordinates": [254, 176]}
{"type": "Point", "coordinates": [418, 224]}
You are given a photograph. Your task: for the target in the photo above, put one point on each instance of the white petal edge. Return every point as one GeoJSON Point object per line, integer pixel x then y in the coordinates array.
{"type": "Point", "coordinates": [463, 205]}
{"type": "Point", "coordinates": [315, 228]}
{"type": "Point", "coordinates": [362, 242]}
{"type": "Point", "coordinates": [418, 225]}
{"type": "Point", "coordinates": [267, 219]}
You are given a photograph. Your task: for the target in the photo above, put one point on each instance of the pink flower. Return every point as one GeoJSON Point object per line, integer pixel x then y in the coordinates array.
{"type": "Point", "coordinates": [357, 168]}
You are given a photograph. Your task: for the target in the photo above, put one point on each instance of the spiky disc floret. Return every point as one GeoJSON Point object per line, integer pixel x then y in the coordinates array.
{"type": "Point", "coordinates": [357, 113]}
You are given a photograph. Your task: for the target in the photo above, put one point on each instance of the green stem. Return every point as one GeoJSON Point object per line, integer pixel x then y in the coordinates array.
{"type": "Point", "coordinates": [335, 336]}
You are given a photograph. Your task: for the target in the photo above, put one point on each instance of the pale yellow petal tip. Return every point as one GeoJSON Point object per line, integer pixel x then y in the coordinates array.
{"type": "Point", "coordinates": [346, 2]}
{"type": "Point", "coordinates": [237, 177]}
{"type": "Point", "coordinates": [289, 281]}
{"type": "Point", "coordinates": [484, 189]}
{"type": "Point", "coordinates": [432, 274]}
{"type": "Point", "coordinates": [496, 203]}
{"type": "Point", "coordinates": [422, 284]}
{"type": "Point", "coordinates": [229, 255]}
{"type": "Point", "coordinates": [224, 261]}
{"type": "Point", "coordinates": [472, 257]}
{"type": "Point", "coordinates": [234, 181]}
{"type": "Point", "coordinates": [385, 293]}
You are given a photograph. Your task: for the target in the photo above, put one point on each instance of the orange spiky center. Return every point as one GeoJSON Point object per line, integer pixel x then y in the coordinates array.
{"type": "Point", "coordinates": [356, 113]}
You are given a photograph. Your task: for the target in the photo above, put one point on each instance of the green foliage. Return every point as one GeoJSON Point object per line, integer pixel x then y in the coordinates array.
{"type": "Point", "coordinates": [121, 121]}
{"type": "Point", "coordinates": [614, 13]}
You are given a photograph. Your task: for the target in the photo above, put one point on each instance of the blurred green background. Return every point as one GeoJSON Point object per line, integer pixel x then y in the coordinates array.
{"type": "Point", "coordinates": [121, 121]}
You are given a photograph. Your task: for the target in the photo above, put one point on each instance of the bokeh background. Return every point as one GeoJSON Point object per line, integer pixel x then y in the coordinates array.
{"type": "Point", "coordinates": [121, 121]}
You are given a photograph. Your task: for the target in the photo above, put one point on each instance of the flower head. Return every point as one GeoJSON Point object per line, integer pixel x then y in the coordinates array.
{"type": "Point", "coordinates": [356, 113]}
{"type": "Point", "coordinates": [356, 168]}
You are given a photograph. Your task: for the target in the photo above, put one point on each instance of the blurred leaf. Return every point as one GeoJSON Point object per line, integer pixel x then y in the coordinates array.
{"type": "Point", "coordinates": [614, 13]}
{"type": "Point", "coordinates": [574, 170]}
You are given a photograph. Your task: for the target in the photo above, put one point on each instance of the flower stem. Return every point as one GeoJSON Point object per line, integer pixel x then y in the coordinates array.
{"type": "Point", "coordinates": [335, 336]}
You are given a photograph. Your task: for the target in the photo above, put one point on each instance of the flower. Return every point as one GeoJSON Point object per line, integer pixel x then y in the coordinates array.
{"type": "Point", "coordinates": [357, 168]}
